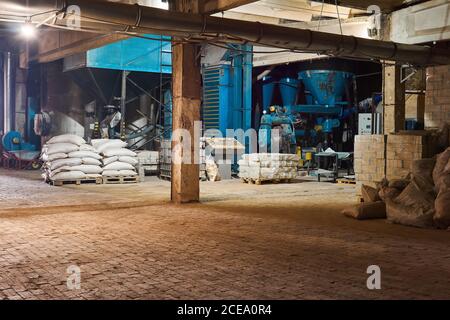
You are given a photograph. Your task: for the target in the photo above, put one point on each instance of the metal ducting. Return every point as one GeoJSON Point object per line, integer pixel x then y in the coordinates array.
{"type": "Point", "coordinates": [143, 20]}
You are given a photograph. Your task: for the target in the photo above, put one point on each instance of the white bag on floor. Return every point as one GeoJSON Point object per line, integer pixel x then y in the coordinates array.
{"type": "Point", "coordinates": [93, 175]}
{"type": "Point", "coordinates": [119, 166]}
{"type": "Point", "coordinates": [127, 173]}
{"type": "Point", "coordinates": [109, 160]}
{"type": "Point", "coordinates": [60, 148]}
{"type": "Point", "coordinates": [70, 162]}
{"type": "Point", "coordinates": [88, 169]}
{"type": "Point", "coordinates": [84, 154]}
{"type": "Point", "coordinates": [91, 161]}
{"type": "Point", "coordinates": [87, 147]}
{"type": "Point", "coordinates": [111, 144]}
{"type": "Point", "coordinates": [131, 160]}
{"type": "Point", "coordinates": [119, 152]}
{"type": "Point", "coordinates": [53, 157]}
{"type": "Point", "coordinates": [69, 175]}
{"type": "Point", "coordinates": [119, 173]}
{"type": "Point", "coordinates": [110, 173]}
{"type": "Point", "coordinates": [98, 142]}
{"type": "Point", "coordinates": [67, 138]}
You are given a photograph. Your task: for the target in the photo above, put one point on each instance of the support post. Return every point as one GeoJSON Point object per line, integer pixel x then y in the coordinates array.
{"type": "Point", "coordinates": [247, 91]}
{"type": "Point", "coordinates": [123, 104]}
{"type": "Point", "coordinates": [394, 98]}
{"type": "Point", "coordinates": [186, 111]}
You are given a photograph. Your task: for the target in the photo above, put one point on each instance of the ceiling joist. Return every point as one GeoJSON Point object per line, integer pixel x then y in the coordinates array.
{"type": "Point", "coordinates": [214, 6]}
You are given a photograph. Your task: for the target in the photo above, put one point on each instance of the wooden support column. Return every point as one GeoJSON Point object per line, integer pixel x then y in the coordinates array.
{"type": "Point", "coordinates": [394, 98]}
{"type": "Point", "coordinates": [186, 111]}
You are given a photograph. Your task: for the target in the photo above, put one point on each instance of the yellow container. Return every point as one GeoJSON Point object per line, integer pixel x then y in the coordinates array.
{"type": "Point", "coordinates": [309, 156]}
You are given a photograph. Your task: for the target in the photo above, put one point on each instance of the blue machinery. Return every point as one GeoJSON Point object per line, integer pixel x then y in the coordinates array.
{"type": "Point", "coordinates": [327, 106]}
{"type": "Point", "coordinates": [227, 92]}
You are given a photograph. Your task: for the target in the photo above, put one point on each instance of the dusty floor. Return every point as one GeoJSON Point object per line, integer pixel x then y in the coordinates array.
{"type": "Point", "coordinates": [285, 241]}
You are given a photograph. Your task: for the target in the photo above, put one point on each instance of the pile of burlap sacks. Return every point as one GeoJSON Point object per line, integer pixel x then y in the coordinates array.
{"type": "Point", "coordinates": [117, 160]}
{"type": "Point", "coordinates": [69, 157]}
{"type": "Point", "coordinates": [268, 166]}
{"type": "Point", "coordinates": [422, 199]}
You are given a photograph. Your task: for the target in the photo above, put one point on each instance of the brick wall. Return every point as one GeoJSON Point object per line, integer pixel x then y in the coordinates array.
{"type": "Point", "coordinates": [437, 101]}
{"type": "Point", "coordinates": [390, 156]}
{"type": "Point", "coordinates": [369, 163]}
{"type": "Point", "coordinates": [403, 149]}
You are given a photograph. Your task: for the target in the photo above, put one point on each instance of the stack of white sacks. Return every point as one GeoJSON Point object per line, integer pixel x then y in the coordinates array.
{"type": "Point", "coordinates": [68, 157]}
{"type": "Point", "coordinates": [268, 166]}
{"type": "Point", "coordinates": [118, 161]}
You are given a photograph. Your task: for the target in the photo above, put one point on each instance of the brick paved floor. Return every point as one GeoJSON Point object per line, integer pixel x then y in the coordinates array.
{"type": "Point", "coordinates": [288, 242]}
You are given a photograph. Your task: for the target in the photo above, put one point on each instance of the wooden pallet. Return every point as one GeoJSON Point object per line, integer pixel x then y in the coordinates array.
{"type": "Point", "coordinates": [120, 179]}
{"type": "Point", "coordinates": [165, 177]}
{"type": "Point", "coordinates": [345, 181]}
{"type": "Point", "coordinates": [268, 181]}
{"type": "Point", "coordinates": [59, 183]}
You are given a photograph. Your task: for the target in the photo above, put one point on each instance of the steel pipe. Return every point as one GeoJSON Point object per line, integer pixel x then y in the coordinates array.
{"type": "Point", "coordinates": [141, 20]}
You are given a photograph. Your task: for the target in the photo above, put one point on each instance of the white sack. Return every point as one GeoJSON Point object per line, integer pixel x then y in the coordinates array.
{"type": "Point", "coordinates": [88, 169]}
{"type": "Point", "coordinates": [93, 175]}
{"type": "Point", "coordinates": [84, 154]}
{"type": "Point", "coordinates": [119, 152]}
{"type": "Point", "coordinates": [131, 160]}
{"type": "Point", "coordinates": [69, 162]}
{"type": "Point", "coordinates": [119, 166]}
{"type": "Point", "coordinates": [111, 173]}
{"type": "Point", "coordinates": [60, 148]}
{"type": "Point", "coordinates": [109, 160]}
{"type": "Point", "coordinates": [98, 142]}
{"type": "Point", "coordinates": [119, 173]}
{"type": "Point", "coordinates": [69, 175]}
{"type": "Point", "coordinates": [126, 173]}
{"type": "Point", "coordinates": [111, 144]}
{"type": "Point", "coordinates": [67, 138]}
{"type": "Point", "coordinates": [91, 161]}
{"type": "Point", "coordinates": [48, 158]}
{"type": "Point", "coordinates": [87, 147]}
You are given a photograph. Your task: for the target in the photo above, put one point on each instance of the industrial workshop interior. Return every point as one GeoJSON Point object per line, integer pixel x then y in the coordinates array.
{"type": "Point", "coordinates": [234, 150]}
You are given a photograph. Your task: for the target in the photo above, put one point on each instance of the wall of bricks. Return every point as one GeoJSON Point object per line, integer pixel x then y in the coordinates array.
{"type": "Point", "coordinates": [437, 101]}
{"type": "Point", "coordinates": [369, 163]}
{"type": "Point", "coordinates": [390, 156]}
{"type": "Point", "coordinates": [403, 149]}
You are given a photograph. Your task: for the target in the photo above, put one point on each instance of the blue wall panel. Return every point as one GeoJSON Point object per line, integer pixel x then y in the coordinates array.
{"type": "Point", "coordinates": [134, 54]}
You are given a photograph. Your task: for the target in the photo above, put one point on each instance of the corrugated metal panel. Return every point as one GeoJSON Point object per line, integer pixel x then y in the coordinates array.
{"type": "Point", "coordinates": [211, 97]}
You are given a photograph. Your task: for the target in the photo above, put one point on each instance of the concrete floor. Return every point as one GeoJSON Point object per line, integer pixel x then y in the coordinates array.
{"type": "Point", "coordinates": [285, 241]}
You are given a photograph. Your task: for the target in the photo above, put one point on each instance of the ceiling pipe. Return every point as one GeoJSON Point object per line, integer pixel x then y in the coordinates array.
{"type": "Point", "coordinates": [141, 20]}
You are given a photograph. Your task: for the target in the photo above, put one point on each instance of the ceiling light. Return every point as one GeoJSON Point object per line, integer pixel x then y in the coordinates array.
{"type": "Point", "coordinates": [28, 30]}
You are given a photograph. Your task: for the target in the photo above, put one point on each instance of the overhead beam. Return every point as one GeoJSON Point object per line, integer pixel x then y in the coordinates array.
{"type": "Point", "coordinates": [248, 17]}
{"type": "Point", "coordinates": [193, 26]}
{"type": "Point", "coordinates": [214, 6]}
{"type": "Point", "coordinates": [58, 44]}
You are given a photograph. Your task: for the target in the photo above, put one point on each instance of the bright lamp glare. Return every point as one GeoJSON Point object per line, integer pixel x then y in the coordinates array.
{"type": "Point", "coordinates": [28, 31]}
